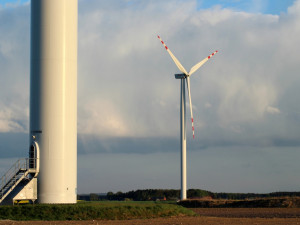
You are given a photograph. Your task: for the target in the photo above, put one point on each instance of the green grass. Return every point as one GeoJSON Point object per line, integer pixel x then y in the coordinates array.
{"type": "Point", "coordinates": [94, 210]}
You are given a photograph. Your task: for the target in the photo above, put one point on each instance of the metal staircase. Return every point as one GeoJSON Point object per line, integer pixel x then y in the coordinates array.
{"type": "Point", "coordinates": [20, 174]}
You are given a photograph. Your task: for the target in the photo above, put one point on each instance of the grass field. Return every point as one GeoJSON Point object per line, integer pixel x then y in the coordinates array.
{"type": "Point", "coordinates": [104, 210]}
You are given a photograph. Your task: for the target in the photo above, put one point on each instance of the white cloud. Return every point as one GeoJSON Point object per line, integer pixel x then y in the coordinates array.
{"type": "Point", "coordinates": [126, 86]}
{"type": "Point", "coordinates": [102, 118]}
{"type": "Point", "coordinates": [207, 105]}
{"type": "Point", "coordinates": [272, 110]}
{"type": "Point", "coordinates": [11, 119]}
{"type": "Point", "coordinates": [294, 9]}
{"type": "Point", "coordinates": [244, 101]}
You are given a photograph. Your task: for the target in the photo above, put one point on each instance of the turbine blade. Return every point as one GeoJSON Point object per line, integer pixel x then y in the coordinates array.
{"type": "Point", "coordinates": [176, 61]}
{"type": "Point", "coordinates": [191, 106]}
{"type": "Point", "coordinates": [198, 65]}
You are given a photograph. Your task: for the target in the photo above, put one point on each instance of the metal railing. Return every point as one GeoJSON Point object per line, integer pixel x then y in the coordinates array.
{"type": "Point", "coordinates": [11, 177]}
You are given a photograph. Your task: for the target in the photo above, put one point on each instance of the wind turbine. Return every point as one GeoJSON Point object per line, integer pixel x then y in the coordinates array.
{"type": "Point", "coordinates": [184, 76]}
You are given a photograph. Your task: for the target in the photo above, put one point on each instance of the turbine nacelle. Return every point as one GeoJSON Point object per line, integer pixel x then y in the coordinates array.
{"type": "Point", "coordinates": [180, 76]}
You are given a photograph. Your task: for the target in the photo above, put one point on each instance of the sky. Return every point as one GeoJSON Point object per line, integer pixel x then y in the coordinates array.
{"type": "Point", "coordinates": [245, 99]}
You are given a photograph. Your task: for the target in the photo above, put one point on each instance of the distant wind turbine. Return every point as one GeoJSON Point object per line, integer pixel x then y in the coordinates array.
{"type": "Point", "coordinates": [182, 77]}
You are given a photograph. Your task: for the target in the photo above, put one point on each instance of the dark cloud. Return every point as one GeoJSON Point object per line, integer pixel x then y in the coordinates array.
{"type": "Point", "coordinates": [93, 144]}
{"type": "Point", "coordinates": [14, 145]}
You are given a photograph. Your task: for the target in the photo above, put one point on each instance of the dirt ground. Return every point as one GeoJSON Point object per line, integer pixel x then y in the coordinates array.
{"type": "Point", "coordinates": [212, 216]}
{"type": "Point", "coordinates": [249, 212]}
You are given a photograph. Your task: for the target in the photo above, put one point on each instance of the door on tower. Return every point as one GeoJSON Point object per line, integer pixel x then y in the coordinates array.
{"type": "Point", "coordinates": [33, 161]}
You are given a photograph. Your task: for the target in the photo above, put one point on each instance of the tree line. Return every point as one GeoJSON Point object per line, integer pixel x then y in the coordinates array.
{"type": "Point", "coordinates": [173, 194]}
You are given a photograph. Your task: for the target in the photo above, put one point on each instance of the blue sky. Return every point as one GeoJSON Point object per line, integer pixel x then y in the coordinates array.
{"type": "Point", "coordinates": [10, 3]}
{"type": "Point", "coordinates": [253, 6]}
{"type": "Point", "coordinates": [245, 100]}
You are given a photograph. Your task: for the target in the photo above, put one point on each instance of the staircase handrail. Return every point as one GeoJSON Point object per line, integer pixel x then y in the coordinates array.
{"type": "Point", "coordinates": [21, 164]}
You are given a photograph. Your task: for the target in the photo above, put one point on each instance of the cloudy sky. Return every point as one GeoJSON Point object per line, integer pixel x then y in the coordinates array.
{"type": "Point", "coordinates": [245, 99]}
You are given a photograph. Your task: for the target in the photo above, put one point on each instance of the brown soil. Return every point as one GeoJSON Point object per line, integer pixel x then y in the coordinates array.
{"type": "Point", "coordinates": [213, 216]}
{"type": "Point", "coordinates": [276, 202]}
{"type": "Point", "coordinates": [249, 212]}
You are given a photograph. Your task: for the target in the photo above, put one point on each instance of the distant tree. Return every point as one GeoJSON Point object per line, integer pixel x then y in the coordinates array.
{"type": "Point", "coordinates": [198, 193]}
{"type": "Point", "coordinates": [94, 197]}
{"type": "Point", "coordinates": [171, 194]}
{"type": "Point", "coordinates": [110, 195]}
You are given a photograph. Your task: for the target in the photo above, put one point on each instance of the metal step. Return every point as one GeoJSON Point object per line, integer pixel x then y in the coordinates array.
{"type": "Point", "coordinates": [18, 172]}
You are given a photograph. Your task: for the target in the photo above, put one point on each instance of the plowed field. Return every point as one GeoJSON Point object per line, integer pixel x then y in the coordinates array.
{"type": "Point", "coordinates": [208, 216]}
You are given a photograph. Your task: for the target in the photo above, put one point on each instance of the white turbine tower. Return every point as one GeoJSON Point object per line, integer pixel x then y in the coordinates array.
{"type": "Point", "coordinates": [184, 76]}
